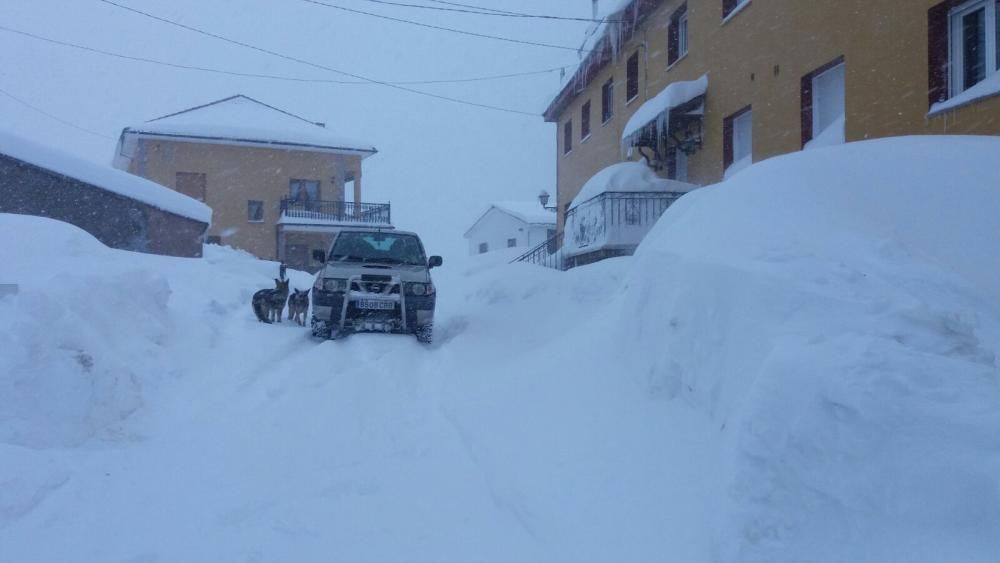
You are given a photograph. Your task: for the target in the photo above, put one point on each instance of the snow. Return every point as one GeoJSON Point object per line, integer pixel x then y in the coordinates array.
{"type": "Point", "coordinates": [658, 107]}
{"type": "Point", "coordinates": [324, 220]}
{"type": "Point", "coordinates": [988, 87]}
{"type": "Point", "coordinates": [627, 177]}
{"type": "Point", "coordinates": [738, 166]}
{"type": "Point", "coordinates": [799, 364]}
{"type": "Point", "coordinates": [832, 135]}
{"type": "Point", "coordinates": [104, 177]}
{"type": "Point", "coordinates": [530, 212]}
{"type": "Point", "coordinates": [245, 119]}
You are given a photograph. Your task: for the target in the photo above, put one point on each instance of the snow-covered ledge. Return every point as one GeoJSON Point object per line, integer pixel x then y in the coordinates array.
{"type": "Point", "coordinates": [986, 89]}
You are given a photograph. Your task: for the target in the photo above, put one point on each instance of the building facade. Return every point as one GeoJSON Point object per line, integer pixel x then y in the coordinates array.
{"type": "Point", "coordinates": [781, 74]}
{"type": "Point", "coordinates": [277, 183]}
{"type": "Point", "coordinates": [511, 225]}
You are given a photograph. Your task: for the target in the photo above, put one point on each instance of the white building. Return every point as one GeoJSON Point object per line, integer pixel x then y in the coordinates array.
{"type": "Point", "coordinates": [513, 224]}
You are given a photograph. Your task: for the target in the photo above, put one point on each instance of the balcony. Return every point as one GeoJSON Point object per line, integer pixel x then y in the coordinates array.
{"type": "Point", "coordinates": [334, 213]}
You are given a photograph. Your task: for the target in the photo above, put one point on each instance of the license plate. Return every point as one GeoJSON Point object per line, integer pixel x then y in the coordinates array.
{"type": "Point", "coordinates": [376, 304]}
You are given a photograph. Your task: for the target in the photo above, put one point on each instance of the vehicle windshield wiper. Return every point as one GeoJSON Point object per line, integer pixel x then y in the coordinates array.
{"type": "Point", "coordinates": [347, 258]}
{"type": "Point", "coordinates": [383, 260]}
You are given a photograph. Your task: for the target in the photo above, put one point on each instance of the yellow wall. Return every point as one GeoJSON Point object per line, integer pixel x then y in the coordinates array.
{"type": "Point", "coordinates": [236, 174]}
{"type": "Point", "coordinates": [758, 57]}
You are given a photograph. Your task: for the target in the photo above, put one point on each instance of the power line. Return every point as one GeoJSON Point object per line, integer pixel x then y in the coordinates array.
{"type": "Point", "coordinates": [469, 9]}
{"type": "Point", "coordinates": [312, 64]}
{"type": "Point", "coordinates": [54, 117]}
{"type": "Point", "coordinates": [269, 76]}
{"type": "Point", "coordinates": [440, 28]}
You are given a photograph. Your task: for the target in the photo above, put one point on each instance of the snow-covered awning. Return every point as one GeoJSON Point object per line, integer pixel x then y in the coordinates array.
{"type": "Point", "coordinates": [656, 111]}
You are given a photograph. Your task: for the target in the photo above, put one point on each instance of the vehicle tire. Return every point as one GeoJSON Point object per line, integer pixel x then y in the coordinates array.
{"type": "Point", "coordinates": [320, 329]}
{"type": "Point", "coordinates": [425, 334]}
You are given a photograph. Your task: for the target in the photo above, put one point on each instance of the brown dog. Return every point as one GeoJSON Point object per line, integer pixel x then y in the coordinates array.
{"type": "Point", "coordinates": [269, 303]}
{"type": "Point", "coordinates": [298, 306]}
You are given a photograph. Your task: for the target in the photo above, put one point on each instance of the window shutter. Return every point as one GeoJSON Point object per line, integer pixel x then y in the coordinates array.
{"type": "Point", "coordinates": [937, 52]}
{"type": "Point", "coordinates": [673, 42]}
{"type": "Point", "coordinates": [727, 142]}
{"type": "Point", "coordinates": [728, 6]}
{"type": "Point", "coordinates": [806, 95]}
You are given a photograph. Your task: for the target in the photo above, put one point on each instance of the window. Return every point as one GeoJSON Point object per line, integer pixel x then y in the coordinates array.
{"type": "Point", "coordinates": [677, 36]}
{"type": "Point", "coordinates": [568, 137]}
{"type": "Point", "coordinates": [191, 184]}
{"type": "Point", "coordinates": [607, 100]}
{"type": "Point", "coordinates": [378, 247]}
{"type": "Point", "coordinates": [729, 6]}
{"type": "Point", "coordinates": [632, 77]}
{"type": "Point", "coordinates": [484, 248]}
{"type": "Point", "coordinates": [255, 211]}
{"type": "Point", "coordinates": [511, 242]}
{"type": "Point", "coordinates": [677, 165]}
{"type": "Point", "coordinates": [737, 138]}
{"type": "Point", "coordinates": [303, 190]}
{"type": "Point", "coordinates": [585, 120]}
{"type": "Point", "coordinates": [822, 94]}
{"type": "Point", "coordinates": [974, 46]}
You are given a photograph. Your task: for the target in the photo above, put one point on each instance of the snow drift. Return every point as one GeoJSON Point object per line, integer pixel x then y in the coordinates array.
{"type": "Point", "coordinates": [799, 364]}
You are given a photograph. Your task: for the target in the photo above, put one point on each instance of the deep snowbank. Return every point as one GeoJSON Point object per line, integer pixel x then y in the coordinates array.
{"type": "Point", "coordinates": [798, 365]}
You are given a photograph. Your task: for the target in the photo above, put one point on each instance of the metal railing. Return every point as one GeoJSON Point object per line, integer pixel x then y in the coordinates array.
{"type": "Point", "coordinates": [629, 208]}
{"type": "Point", "coordinates": [548, 254]}
{"type": "Point", "coordinates": [616, 222]}
{"type": "Point", "coordinates": [337, 211]}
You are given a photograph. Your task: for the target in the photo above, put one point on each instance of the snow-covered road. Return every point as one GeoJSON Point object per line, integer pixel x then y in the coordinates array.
{"type": "Point", "coordinates": [731, 393]}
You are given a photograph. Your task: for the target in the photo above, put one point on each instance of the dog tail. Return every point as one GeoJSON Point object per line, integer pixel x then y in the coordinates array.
{"type": "Point", "coordinates": [259, 299]}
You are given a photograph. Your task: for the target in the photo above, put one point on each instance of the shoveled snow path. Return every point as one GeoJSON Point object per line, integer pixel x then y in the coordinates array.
{"type": "Point", "coordinates": [303, 449]}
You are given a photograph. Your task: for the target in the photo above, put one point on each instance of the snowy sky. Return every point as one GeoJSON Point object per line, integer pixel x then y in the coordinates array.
{"type": "Point", "coordinates": [439, 162]}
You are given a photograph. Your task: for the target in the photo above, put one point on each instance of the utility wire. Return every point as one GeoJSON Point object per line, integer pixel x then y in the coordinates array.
{"type": "Point", "coordinates": [468, 9]}
{"type": "Point", "coordinates": [268, 76]}
{"type": "Point", "coordinates": [312, 64]}
{"type": "Point", "coordinates": [440, 28]}
{"type": "Point", "coordinates": [54, 117]}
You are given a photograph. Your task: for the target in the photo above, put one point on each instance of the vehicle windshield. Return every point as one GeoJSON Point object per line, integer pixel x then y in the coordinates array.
{"type": "Point", "coordinates": [381, 248]}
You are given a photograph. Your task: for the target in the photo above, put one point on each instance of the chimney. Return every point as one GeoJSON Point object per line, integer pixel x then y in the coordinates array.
{"type": "Point", "coordinates": [594, 4]}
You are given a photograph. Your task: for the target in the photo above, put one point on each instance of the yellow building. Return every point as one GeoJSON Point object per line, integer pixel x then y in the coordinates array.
{"type": "Point", "coordinates": [275, 182]}
{"type": "Point", "coordinates": [697, 88]}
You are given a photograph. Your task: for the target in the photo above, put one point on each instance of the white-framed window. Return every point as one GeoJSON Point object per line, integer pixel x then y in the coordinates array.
{"type": "Point", "coordinates": [974, 43]}
{"type": "Point", "coordinates": [484, 248]}
{"type": "Point", "coordinates": [827, 98]}
{"type": "Point", "coordinates": [511, 242]}
{"type": "Point", "coordinates": [682, 34]}
{"type": "Point", "coordinates": [743, 137]}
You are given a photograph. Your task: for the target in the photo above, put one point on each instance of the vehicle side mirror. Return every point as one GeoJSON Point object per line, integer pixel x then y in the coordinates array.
{"type": "Point", "coordinates": [319, 256]}
{"type": "Point", "coordinates": [435, 262]}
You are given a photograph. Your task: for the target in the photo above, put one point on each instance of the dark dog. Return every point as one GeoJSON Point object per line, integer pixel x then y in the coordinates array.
{"type": "Point", "coordinates": [268, 303]}
{"type": "Point", "coordinates": [298, 306]}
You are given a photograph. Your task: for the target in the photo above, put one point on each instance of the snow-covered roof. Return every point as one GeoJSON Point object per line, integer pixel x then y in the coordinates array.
{"type": "Point", "coordinates": [658, 107]}
{"type": "Point", "coordinates": [530, 212]}
{"type": "Point", "coordinates": [104, 177]}
{"type": "Point", "coordinates": [627, 177]}
{"type": "Point", "coordinates": [618, 21]}
{"type": "Point", "coordinates": [243, 120]}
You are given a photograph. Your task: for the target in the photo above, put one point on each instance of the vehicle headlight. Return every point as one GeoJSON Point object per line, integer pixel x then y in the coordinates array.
{"type": "Point", "coordinates": [420, 289]}
{"type": "Point", "coordinates": [334, 284]}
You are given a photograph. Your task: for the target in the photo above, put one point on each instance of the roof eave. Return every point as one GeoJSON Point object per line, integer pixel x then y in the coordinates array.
{"type": "Point", "coordinates": [365, 152]}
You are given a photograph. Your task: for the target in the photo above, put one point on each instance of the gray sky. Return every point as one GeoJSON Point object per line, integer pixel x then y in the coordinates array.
{"type": "Point", "coordinates": [439, 162]}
